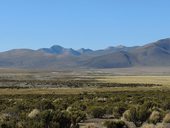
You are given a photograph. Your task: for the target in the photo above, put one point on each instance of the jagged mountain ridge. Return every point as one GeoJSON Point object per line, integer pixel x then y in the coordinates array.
{"type": "Point", "coordinates": [152, 54]}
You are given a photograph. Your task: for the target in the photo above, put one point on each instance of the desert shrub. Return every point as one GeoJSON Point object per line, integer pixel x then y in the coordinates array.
{"type": "Point", "coordinates": [54, 125]}
{"type": "Point", "coordinates": [116, 99]}
{"type": "Point", "coordinates": [8, 124]}
{"type": "Point", "coordinates": [5, 125]}
{"type": "Point", "coordinates": [75, 126]}
{"type": "Point", "coordinates": [130, 115]}
{"type": "Point", "coordinates": [52, 119]}
{"type": "Point", "coordinates": [33, 113]}
{"type": "Point", "coordinates": [77, 116]}
{"type": "Point", "coordinates": [138, 115]}
{"type": "Point", "coordinates": [148, 126]}
{"type": "Point", "coordinates": [62, 118]}
{"type": "Point", "coordinates": [35, 124]}
{"type": "Point", "coordinates": [65, 111]}
{"type": "Point", "coordinates": [109, 110]}
{"type": "Point", "coordinates": [45, 105]}
{"type": "Point", "coordinates": [166, 119]}
{"type": "Point", "coordinates": [166, 105]}
{"type": "Point", "coordinates": [5, 117]}
{"type": "Point", "coordinates": [118, 110]}
{"type": "Point", "coordinates": [79, 106]}
{"type": "Point", "coordinates": [46, 117]}
{"type": "Point", "coordinates": [11, 113]}
{"type": "Point", "coordinates": [155, 117]}
{"type": "Point", "coordinates": [115, 124]}
{"type": "Point", "coordinates": [97, 112]}
{"type": "Point", "coordinates": [20, 125]}
{"type": "Point", "coordinates": [91, 126]}
{"type": "Point", "coordinates": [142, 113]}
{"type": "Point", "coordinates": [149, 104]}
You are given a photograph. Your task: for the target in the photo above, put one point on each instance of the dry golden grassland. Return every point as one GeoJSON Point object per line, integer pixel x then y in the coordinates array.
{"type": "Point", "coordinates": [68, 91]}
{"type": "Point", "coordinates": [163, 80]}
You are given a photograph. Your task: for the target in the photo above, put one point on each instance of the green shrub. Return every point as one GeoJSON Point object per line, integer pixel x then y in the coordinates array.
{"type": "Point", "coordinates": [115, 124]}
{"type": "Point", "coordinates": [45, 105]}
{"type": "Point", "coordinates": [97, 112]}
{"type": "Point", "coordinates": [118, 110]}
{"type": "Point", "coordinates": [138, 115]}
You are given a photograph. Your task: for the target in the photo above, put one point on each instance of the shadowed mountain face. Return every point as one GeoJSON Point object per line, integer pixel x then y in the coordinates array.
{"type": "Point", "coordinates": [164, 44]}
{"type": "Point", "coordinates": [153, 54]}
{"type": "Point", "coordinates": [113, 60]}
{"type": "Point", "coordinates": [85, 51]}
{"type": "Point", "coordinates": [58, 50]}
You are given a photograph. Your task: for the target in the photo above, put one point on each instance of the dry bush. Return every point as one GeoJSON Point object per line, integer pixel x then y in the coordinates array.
{"type": "Point", "coordinates": [126, 115]}
{"type": "Point", "coordinates": [167, 118]}
{"type": "Point", "coordinates": [148, 126]}
{"type": "Point", "coordinates": [161, 125]}
{"type": "Point", "coordinates": [20, 125]}
{"type": "Point", "coordinates": [158, 125]}
{"type": "Point", "coordinates": [91, 126]}
{"type": "Point", "coordinates": [130, 124]}
{"type": "Point", "coordinates": [154, 117]}
{"type": "Point", "coordinates": [33, 113]}
{"type": "Point", "coordinates": [4, 117]}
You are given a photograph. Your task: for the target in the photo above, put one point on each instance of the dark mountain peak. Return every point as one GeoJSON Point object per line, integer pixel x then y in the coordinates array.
{"type": "Point", "coordinates": [164, 40]}
{"type": "Point", "coordinates": [121, 46]}
{"type": "Point", "coordinates": [71, 51]}
{"type": "Point", "coordinates": [56, 47]}
{"type": "Point", "coordinates": [83, 50]}
{"type": "Point", "coordinates": [164, 43]}
{"type": "Point", "coordinates": [59, 50]}
{"type": "Point", "coordinates": [116, 47]}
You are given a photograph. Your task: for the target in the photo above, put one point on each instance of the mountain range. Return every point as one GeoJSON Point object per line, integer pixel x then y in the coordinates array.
{"type": "Point", "coordinates": [57, 57]}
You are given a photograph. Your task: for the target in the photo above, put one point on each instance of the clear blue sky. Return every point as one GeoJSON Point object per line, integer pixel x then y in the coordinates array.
{"type": "Point", "coordinates": [82, 23]}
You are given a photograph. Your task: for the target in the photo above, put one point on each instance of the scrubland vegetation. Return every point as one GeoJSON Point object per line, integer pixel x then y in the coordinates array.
{"type": "Point", "coordinates": [114, 110]}
{"type": "Point", "coordinates": [47, 101]}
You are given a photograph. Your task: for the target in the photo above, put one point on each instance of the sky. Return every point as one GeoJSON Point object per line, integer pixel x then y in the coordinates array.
{"type": "Point", "coordinates": [94, 24]}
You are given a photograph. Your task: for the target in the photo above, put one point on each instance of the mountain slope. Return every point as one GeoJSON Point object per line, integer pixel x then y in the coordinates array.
{"type": "Point", "coordinates": [113, 60]}
{"type": "Point", "coordinates": [152, 54]}
{"type": "Point", "coordinates": [25, 58]}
